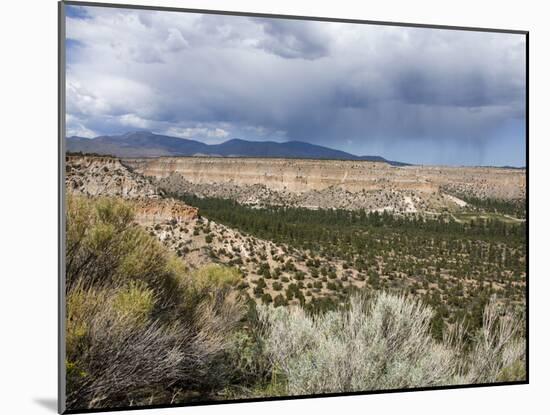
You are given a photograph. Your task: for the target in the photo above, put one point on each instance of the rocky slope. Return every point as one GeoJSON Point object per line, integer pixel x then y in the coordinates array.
{"type": "Point", "coordinates": [333, 197]}
{"type": "Point", "coordinates": [197, 240]}
{"type": "Point", "coordinates": [330, 183]}
{"type": "Point", "coordinates": [105, 176]}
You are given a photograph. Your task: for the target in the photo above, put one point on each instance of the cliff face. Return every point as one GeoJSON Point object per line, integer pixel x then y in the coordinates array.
{"type": "Point", "coordinates": [106, 176]}
{"type": "Point", "coordinates": [299, 176]}
{"type": "Point", "coordinates": [292, 175]}
{"type": "Point", "coordinates": [150, 212]}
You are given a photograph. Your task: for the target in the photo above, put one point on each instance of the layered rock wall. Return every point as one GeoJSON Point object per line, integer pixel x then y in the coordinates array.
{"type": "Point", "coordinates": [298, 176]}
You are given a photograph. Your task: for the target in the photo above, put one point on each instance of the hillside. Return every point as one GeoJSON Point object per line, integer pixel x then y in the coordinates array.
{"type": "Point", "coordinates": [107, 177]}
{"type": "Point", "coordinates": [272, 247]}
{"type": "Point", "coordinates": [199, 241]}
{"type": "Point", "coordinates": [337, 184]}
{"type": "Point", "coordinates": [147, 144]}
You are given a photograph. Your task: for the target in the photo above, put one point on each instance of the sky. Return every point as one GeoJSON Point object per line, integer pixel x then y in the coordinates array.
{"type": "Point", "coordinates": [417, 95]}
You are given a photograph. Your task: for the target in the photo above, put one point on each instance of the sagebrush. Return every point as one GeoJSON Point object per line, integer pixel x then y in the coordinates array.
{"type": "Point", "coordinates": [386, 343]}
{"type": "Point", "coordinates": [140, 327]}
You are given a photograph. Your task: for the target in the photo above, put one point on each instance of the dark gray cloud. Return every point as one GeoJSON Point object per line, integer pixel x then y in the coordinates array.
{"type": "Point", "coordinates": [293, 39]}
{"type": "Point", "coordinates": [419, 95]}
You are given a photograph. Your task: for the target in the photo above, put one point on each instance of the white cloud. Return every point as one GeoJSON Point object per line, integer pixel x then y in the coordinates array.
{"type": "Point", "coordinates": [218, 133]}
{"type": "Point", "coordinates": [75, 127]}
{"type": "Point", "coordinates": [81, 100]}
{"type": "Point", "coordinates": [197, 132]}
{"type": "Point", "coordinates": [132, 120]}
{"type": "Point", "coordinates": [212, 77]}
{"type": "Point", "coordinates": [175, 40]}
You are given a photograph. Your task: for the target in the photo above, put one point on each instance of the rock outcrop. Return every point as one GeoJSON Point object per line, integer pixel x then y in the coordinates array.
{"type": "Point", "coordinates": [330, 183]}
{"type": "Point", "coordinates": [150, 212]}
{"type": "Point", "coordinates": [93, 176]}
{"type": "Point", "coordinates": [105, 176]}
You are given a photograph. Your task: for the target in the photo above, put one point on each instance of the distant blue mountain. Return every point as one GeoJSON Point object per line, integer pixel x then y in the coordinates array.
{"type": "Point", "coordinates": [147, 144]}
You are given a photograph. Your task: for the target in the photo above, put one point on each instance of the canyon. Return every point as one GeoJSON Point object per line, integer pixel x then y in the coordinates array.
{"type": "Point", "coordinates": [340, 184]}
{"type": "Point", "coordinates": [280, 268]}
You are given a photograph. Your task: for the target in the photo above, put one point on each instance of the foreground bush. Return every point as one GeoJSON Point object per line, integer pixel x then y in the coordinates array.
{"type": "Point", "coordinates": [385, 343]}
{"type": "Point", "coordinates": [140, 328]}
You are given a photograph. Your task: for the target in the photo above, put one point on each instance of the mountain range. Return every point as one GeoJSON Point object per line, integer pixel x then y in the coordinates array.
{"type": "Point", "coordinates": [147, 144]}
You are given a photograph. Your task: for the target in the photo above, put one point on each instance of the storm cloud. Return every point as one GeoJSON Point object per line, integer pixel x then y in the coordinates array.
{"type": "Point", "coordinates": [411, 94]}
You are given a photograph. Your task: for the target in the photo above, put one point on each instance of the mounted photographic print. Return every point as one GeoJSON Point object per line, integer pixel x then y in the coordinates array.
{"type": "Point", "coordinates": [258, 207]}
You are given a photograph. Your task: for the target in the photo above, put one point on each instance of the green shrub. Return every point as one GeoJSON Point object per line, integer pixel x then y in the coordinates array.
{"type": "Point", "coordinates": [279, 300]}
{"type": "Point", "coordinates": [216, 275]}
{"type": "Point", "coordinates": [266, 298]}
{"type": "Point", "coordinates": [134, 301]}
{"type": "Point", "coordinates": [139, 326]}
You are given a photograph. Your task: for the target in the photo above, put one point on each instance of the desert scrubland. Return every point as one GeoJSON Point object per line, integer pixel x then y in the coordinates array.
{"type": "Point", "coordinates": [203, 278]}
